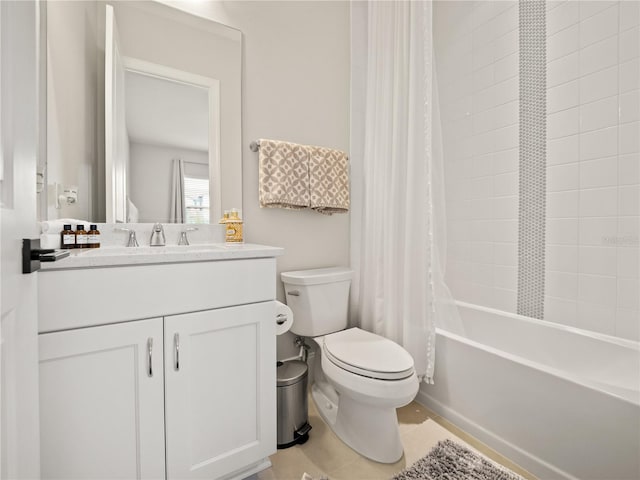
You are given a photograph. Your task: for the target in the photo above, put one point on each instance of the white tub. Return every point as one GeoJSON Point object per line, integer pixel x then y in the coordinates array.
{"type": "Point", "coordinates": [559, 401]}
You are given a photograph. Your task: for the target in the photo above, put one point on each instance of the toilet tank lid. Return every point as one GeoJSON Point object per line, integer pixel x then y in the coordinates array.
{"type": "Point", "coordinates": [317, 276]}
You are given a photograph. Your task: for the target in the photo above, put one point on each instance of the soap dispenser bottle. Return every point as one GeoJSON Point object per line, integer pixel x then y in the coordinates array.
{"type": "Point", "coordinates": [234, 228]}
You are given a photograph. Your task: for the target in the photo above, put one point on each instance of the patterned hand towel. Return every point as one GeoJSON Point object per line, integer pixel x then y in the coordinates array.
{"type": "Point", "coordinates": [328, 180]}
{"type": "Point", "coordinates": [284, 174]}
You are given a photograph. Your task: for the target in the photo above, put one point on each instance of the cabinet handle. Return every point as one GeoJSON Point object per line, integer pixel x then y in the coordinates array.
{"type": "Point", "coordinates": [176, 343]}
{"type": "Point", "coordinates": [150, 354]}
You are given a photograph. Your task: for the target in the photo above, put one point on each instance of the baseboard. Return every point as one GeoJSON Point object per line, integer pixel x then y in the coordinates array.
{"type": "Point", "coordinates": [529, 462]}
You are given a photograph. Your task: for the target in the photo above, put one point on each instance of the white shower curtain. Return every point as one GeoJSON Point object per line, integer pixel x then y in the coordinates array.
{"type": "Point", "coordinates": [394, 252]}
{"type": "Point", "coordinates": [177, 211]}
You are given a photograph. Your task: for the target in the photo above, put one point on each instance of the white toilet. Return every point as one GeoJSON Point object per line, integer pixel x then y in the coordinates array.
{"type": "Point", "coordinates": [360, 378]}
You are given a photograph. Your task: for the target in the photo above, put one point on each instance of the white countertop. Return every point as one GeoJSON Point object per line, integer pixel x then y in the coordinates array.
{"type": "Point", "coordinates": [111, 256]}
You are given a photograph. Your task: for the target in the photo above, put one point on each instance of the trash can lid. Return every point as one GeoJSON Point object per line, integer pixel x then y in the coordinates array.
{"type": "Point", "coordinates": [290, 372]}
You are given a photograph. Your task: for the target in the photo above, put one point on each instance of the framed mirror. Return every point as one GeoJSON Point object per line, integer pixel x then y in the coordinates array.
{"type": "Point", "coordinates": [167, 98]}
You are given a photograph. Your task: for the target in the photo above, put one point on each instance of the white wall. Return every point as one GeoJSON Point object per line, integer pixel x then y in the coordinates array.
{"type": "Point", "coordinates": [476, 50]}
{"type": "Point", "coordinates": [593, 197]}
{"type": "Point", "coordinates": [150, 178]}
{"type": "Point", "coordinates": [358, 102]}
{"type": "Point", "coordinates": [296, 87]}
{"type": "Point", "coordinates": [73, 94]}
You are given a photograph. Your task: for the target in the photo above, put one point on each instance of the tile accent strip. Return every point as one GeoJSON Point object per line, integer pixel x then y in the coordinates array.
{"type": "Point", "coordinates": [532, 176]}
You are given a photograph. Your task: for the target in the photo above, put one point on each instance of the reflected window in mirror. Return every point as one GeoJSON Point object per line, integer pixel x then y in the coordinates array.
{"type": "Point", "coordinates": [196, 199]}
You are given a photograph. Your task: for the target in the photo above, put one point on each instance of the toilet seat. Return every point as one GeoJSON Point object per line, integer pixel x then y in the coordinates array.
{"type": "Point", "coordinates": [367, 354]}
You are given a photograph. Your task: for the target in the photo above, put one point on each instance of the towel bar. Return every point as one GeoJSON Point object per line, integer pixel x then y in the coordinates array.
{"type": "Point", "coordinates": [254, 146]}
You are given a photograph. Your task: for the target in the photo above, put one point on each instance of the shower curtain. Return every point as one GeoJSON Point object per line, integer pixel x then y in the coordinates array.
{"type": "Point", "coordinates": [177, 211]}
{"type": "Point", "coordinates": [397, 208]}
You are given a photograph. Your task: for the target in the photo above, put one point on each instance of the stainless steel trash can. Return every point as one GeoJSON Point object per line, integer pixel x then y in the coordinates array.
{"type": "Point", "coordinates": [293, 425]}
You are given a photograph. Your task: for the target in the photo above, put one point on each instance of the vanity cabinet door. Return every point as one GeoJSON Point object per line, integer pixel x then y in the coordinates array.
{"type": "Point", "coordinates": [101, 402]}
{"type": "Point", "coordinates": [220, 377]}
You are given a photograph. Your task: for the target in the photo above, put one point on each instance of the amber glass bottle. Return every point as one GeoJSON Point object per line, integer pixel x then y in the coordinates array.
{"type": "Point", "coordinates": [67, 238]}
{"type": "Point", "coordinates": [93, 234]}
{"type": "Point", "coordinates": [81, 237]}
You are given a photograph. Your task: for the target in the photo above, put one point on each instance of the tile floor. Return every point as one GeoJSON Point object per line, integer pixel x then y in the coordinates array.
{"type": "Point", "coordinates": [325, 455]}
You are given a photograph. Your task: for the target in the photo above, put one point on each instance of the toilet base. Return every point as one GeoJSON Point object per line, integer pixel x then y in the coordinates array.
{"type": "Point", "coordinates": [351, 422]}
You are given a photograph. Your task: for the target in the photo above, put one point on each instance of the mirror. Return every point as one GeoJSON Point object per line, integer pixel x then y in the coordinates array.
{"type": "Point", "coordinates": [171, 95]}
{"type": "Point", "coordinates": [170, 117]}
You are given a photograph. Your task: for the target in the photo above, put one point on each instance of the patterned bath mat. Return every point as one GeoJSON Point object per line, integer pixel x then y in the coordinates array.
{"type": "Point", "coordinates": [451, 461]}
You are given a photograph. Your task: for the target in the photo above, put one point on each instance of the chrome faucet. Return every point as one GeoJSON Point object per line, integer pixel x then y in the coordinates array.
{"type": "Point", "coordinates": [133, 241]}
{"type": "Point", "coordinates": [183, 235]}
{"type": "Point", "coordinates": [157, 236]}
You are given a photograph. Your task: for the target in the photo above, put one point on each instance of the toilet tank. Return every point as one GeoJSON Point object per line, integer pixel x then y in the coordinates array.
{"type": "Point", "coordinates": [319, 299]}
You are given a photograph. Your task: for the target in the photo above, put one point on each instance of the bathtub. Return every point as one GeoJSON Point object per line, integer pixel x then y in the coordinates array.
{"type": "Point", "coordinates": [561, 402]}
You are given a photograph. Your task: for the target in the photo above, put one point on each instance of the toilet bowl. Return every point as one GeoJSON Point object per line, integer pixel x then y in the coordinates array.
{"type": "Point", "coordinates": [360, 378]}
{"type": "Point", "coordinates": [364, 415]}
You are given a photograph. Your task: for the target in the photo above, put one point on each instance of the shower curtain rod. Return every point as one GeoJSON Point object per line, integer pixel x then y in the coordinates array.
{"type": "Point", "coordinates": [254, 146]}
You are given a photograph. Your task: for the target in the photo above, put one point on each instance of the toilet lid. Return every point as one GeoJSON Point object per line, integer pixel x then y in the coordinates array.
{"type": "Point", "coordinates": [368, 354]}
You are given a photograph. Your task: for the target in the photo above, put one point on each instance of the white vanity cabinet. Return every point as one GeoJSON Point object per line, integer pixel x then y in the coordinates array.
{"type": "Point", "coordinates": [101, 402]}
{"type": "Point", "coordinates": [176, 396]}
{"type": "Point", "coordinates": [219, 384]}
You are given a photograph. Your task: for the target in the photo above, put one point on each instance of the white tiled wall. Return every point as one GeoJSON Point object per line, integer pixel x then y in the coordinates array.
{"type": "Point", "coordinates": [592, 166]}
{"type": "Point", "coordinates": [593, 198]}
{"type": "Point", "coordinates": [476, 49]}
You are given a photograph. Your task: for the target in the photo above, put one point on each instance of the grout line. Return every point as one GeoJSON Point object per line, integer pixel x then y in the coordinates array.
{"type": "Point", "coordinates": [579, 75]}
{"type": "Point", "coordinates": [600, 11]}
{"type": "Point", "coordinates": [580, 105]}
{"type": "Point", "coordinates": [615, 315]}
{"type": "Point", "coordinates": [473, 29]}
{"type": "Point", "coordinates": [579, 21]}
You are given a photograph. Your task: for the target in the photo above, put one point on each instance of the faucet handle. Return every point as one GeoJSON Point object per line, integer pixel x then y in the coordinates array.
{"type": "Point", "coordinates": [133, 241]}
{"type": "Point", "coordinates": [183, 235]}
{"type": "Point", "coordinates": [157, 236]}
